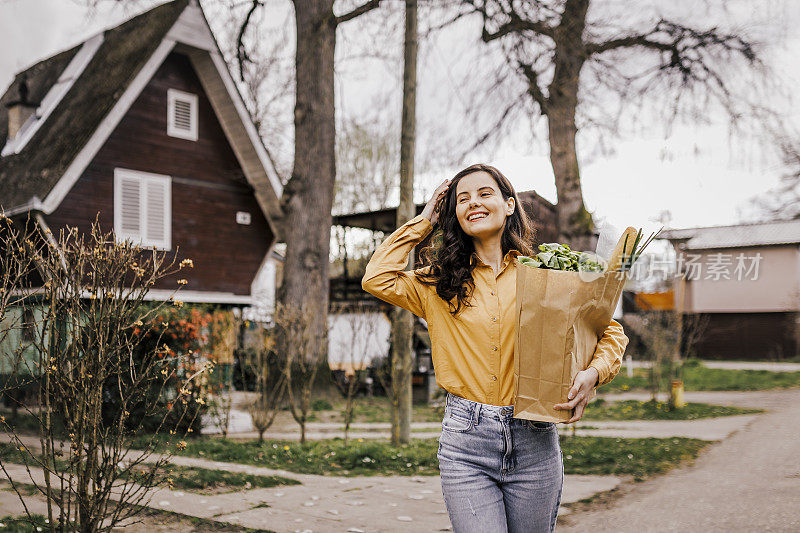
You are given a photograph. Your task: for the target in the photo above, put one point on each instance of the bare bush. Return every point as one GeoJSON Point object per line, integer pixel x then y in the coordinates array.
{"type": "Point", "coordinates": [265, 364]}
{"type": "Point", "coordinates": [302, 353]}
{"type": "Point", "coordinates": [83, 343]}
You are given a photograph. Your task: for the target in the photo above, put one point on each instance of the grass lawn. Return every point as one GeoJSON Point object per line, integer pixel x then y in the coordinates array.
{"type": "Point", "coordinates": [599, 409]}
{"type": "Point", "coordinates": [699, 378]}
{"type": "Point", "coordinates": [582, 455]}
{"type": "Point", "coordinates": [23, 524]}
{"type": "Point", "coordinates": [377, 410]}
{"type": "Point", "coordinates": [370, 409]}
{"type": "Point", "coordinates": [210, 481]}
{"type": "Point", "coordinates": [191, 479]}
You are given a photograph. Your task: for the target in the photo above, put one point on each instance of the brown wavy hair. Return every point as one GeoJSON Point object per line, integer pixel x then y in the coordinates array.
{"type": "Point", "coordinates": [451, 252]}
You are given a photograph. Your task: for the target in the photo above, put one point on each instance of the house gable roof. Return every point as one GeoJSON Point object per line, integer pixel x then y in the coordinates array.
{"type": "Point", "coordinates": [756, 234]}
{"type": "Point", "coordinates": [35, 170]}
{"type": "Point", "coordinates": [46, 168]}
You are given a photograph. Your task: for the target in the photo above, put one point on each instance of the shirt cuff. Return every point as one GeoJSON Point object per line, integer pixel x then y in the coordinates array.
{"type": "Point", "coordinates": [602, 371]}
{"type": "Point", "coordinates": [421, 225]}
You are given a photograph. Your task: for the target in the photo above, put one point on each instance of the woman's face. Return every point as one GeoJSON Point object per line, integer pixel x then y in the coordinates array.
{"type": "Point", "coordinates": [480, 208]}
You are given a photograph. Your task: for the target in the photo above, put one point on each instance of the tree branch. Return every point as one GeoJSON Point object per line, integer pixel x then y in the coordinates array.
{"type": "Point", "coordinates": [493, 129]}
{"type": "Point", "coordinates": [534, 90]}
{"type": "Point", "coordinates": [242, 56]}
{"type": "Point", "coordinates": [681, 42]}
{"type": "Point", "coordinates": [515, 25]}
{"type": "Point", "coordinates": [360, 10]}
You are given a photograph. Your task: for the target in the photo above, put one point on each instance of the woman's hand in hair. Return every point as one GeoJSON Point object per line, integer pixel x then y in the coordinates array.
{"type": "Point", "coordinates": [431, 210]}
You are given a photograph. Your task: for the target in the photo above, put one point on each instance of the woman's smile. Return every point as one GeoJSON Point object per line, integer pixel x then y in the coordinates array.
{"type": "Point", "coordinates": [477, 216]}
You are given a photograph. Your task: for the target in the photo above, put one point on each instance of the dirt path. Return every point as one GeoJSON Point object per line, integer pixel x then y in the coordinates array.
{"type": "Point", "coordinates": [748, 482]}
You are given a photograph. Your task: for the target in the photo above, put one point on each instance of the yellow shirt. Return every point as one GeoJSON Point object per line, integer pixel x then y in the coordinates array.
{"type": "Point", "coordinates": [473, 354]}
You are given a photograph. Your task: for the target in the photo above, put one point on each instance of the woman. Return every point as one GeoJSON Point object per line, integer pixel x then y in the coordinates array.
{"type": "Point", "coordinates": [498, 473]}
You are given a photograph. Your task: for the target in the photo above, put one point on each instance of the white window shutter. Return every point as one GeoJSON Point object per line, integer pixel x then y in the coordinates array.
{"type": "Point", "coordinates": [155, 216]}
{"type": "Point", "coordinates": [143, 208]}
{"type": "Point", "coordinates": [130, 202]}
{"type": "Point", "coordinates": [181, 114]}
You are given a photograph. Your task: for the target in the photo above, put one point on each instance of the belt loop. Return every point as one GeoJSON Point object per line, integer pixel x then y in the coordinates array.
{"type": "Point", "coordinates": [476, 416]}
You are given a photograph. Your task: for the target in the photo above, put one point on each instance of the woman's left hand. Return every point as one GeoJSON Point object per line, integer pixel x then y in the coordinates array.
{"type": "Point", "coordinates": [580, 393]}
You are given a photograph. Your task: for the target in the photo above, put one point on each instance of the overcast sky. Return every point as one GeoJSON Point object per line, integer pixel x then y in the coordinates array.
{"type": "Point", "coordinates": [699, 174]}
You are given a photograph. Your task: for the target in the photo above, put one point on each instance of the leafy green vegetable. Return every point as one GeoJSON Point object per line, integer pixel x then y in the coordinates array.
{"type": "Point", "coordinates": [559, 257]}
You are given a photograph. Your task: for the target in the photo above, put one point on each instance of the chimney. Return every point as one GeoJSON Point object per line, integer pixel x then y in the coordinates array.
{"type": "Point", "coordinates": [21, 109]}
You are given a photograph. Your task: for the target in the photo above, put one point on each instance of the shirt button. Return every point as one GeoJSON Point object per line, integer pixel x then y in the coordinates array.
{"type": "Point", "coordinates": [494, 348]}
{"type": "Point", "coordinates": [494, 319]}
{"type": "Point", "coordinates": [492, 293]}
{"type": "Point", "coordinates": [494, 378]}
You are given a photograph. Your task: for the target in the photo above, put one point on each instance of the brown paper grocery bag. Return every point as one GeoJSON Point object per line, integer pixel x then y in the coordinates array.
{"type": "Point", "coordinates": [560, 316]}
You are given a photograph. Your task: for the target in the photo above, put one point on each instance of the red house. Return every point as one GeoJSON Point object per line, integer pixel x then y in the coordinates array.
{"type": "Point", "coordinates": [143, 127]}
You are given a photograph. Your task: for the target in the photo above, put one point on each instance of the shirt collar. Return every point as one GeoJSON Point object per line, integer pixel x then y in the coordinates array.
{"type": "Point", "coordinates": [510, 255]}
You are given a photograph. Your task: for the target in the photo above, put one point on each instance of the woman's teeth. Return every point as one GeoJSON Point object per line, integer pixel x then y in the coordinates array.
{"type": "Point", "coordinates": [476, 217]}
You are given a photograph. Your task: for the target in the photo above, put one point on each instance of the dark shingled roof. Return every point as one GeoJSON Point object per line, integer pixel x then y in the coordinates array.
{"type": "Point", "coordinates": [125, 49]}
{"type": "Point", "coordinates": [40, 77]}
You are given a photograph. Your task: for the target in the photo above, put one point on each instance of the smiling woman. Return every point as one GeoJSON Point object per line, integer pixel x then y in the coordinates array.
{"type": "Point", "coordinates": [492, 464]}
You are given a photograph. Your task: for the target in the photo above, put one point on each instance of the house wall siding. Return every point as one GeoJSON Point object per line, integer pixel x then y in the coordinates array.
{"type": "Point", "coordinates": [208, 187]}
{"type": "Point", "coordinates": [776, 289]}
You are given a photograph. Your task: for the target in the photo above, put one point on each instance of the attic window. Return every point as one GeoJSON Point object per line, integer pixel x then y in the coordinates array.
{"type": "Point", "coordinates": [181, 114]}
{"type": "Point", "coordinates": [143, 208]}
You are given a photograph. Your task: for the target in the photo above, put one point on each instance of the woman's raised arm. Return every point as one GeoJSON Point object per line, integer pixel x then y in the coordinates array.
{"type": "Point", "coordinates": [386, 277]}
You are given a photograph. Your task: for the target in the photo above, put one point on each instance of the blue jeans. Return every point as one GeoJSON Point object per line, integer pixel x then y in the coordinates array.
{"type": "Point", "coordinates": [499, 474]}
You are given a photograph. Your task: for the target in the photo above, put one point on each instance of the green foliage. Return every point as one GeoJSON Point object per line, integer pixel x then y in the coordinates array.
{"type": "Point", "coordinates": [20, 524]}
{"type": "Point", "coordinates": [582, 455]}
{"type": "Point", "coordinates": [649, 410]}
{"type": "Point", "coordinates": [321, 404]}
{"type": "Point", "coordinates": [559, 257]}
{"type": "Point", "coordinates": [618, 456]}
{"type": "Point", "coordinates": [700, 378]}
{"type": "Point", "coordinates": [211, 481]}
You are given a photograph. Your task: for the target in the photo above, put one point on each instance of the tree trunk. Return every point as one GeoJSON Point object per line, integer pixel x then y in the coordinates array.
{"type": "Point", "coordinates": [575, 224]}
{"type": "Point", "coordinates": [403, 321]}
{"type": "Point", "coordinates": [308, 196]}
{"type": "Point", "coordinates": [574, 221]}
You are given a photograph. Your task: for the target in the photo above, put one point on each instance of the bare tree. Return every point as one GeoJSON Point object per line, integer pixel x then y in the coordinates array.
{"type": "Point", "coordinates": [402, 320]}
{"type": "Point", "coordinates": [307, 199]}
{"type": "Point", "coordinates": [560, 54]}
{"type": "Point", "coordinates": [694, 327]}
{"type": "Point", "coordinates": [669, 339]}
{"type": "Point", "coordinates": [366, 171]}
{"type": "Point", "coordinates": [357, 330]}
{"type": "Point", "coordinates": [783, 201]}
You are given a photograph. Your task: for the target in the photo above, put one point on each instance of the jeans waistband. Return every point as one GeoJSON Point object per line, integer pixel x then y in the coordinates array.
{"type": "Point", "coordinates": [477, 408]}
